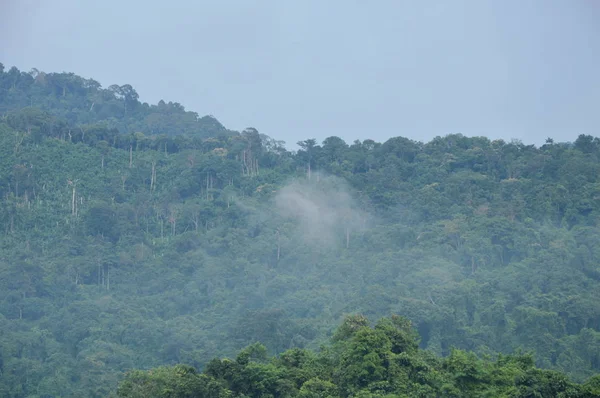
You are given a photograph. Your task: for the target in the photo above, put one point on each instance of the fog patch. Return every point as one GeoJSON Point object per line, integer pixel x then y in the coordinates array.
{"type": "Point", "coordinates": [326, 212]}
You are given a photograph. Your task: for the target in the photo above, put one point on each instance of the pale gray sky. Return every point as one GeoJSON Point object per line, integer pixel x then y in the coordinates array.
{"type": "Point", "coordinates": [299, 69]}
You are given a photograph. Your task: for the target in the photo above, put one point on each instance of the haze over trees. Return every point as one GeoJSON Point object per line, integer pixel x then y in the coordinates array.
{"type": "Point", "coordinates": [137, 236]}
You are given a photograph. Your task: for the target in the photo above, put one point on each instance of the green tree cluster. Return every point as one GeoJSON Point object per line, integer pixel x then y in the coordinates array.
{"type": "Point", "coordinates": [381, 361]}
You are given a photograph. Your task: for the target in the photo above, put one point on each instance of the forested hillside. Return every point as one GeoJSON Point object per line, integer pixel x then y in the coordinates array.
{"type": "Point", "coordinates": [134, 236]}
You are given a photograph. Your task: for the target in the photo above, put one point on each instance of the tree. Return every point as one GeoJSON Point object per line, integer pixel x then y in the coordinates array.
{"type": "Point", "coordinates": [309, 148]}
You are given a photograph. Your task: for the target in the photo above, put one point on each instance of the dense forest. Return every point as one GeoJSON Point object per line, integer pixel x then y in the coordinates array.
{"type": "Point", "coordinates": [384, 361]}
{"type": "Point", "coordinates": [137, 236]}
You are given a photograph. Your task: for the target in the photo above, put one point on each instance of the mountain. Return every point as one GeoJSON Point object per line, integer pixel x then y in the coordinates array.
{"type": "Point", "coordinates": [129, 244]}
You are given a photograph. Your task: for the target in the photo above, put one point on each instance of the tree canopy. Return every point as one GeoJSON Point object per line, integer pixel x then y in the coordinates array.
{"type": "Point", "coordinates": [364, 361]}
{"type": "Point", "coordinates": [136, 236]}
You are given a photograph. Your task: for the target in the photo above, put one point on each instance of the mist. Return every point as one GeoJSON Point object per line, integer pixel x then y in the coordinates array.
{"type": "Point", "coordinates": [324, 210]}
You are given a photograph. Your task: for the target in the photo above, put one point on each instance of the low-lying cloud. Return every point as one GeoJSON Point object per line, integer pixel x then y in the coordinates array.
{"type": "Point", "coordinates": [325, 211]}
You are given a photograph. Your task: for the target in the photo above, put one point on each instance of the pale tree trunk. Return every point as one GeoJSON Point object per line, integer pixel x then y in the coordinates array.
{"type": "Point", "coordinates": [278, 244]}
{"type": "Point", "coordinates": [196, 221]}
{"type": "Point", "coordinates": [431, 299]}
{"type": "Point", "coordinates": [153, 176]}
{"type": "Point", "coordinates": [347, 237]}
{"type": "Point", "coordinates": [18, 141]}
{"type": "Point", "coordinates": [73, 203]}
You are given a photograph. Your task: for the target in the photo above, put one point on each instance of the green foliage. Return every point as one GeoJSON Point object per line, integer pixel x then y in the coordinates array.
{"type": "Point", "coordinates": [179, 381]}
{"type": "Point", "coordinates": [134, 236]}
{"type": "Point", "coordinates": [367, 367]}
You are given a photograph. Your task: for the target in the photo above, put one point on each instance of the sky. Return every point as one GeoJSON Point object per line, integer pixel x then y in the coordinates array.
{"type": "Point", "coordinates": [510, 69]}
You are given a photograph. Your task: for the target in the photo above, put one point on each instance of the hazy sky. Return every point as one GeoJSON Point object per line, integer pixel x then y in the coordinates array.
{"type": "Point", "coordinates": [296, 69]}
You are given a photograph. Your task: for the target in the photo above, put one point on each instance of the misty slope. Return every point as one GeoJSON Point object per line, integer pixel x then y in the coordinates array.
{"type": "Point", "coordinates": [122, 251]}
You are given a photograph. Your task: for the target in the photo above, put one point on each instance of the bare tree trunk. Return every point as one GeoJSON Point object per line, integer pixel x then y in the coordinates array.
{"type": "Point", "coordinates": [207, 186]}
{"type": "Point", "coordinates": [73, 202]}
{"type": "Point", "coordinates": [18, 141]}
{"type": "Point", "coordinates": [347, 237]}
{"type": "Point", "coordinates": [130, 155]}
{"type": "Point", "coordinates": [82, 134]}
{"type": "Point", "coordinates": [195, 221]}
{"type": "Point", "coordinates": [431, 299]}
{"type": "Point", "coordinates": [153, 176]}
{"type": "Point", "coordinates": [278, 244]}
